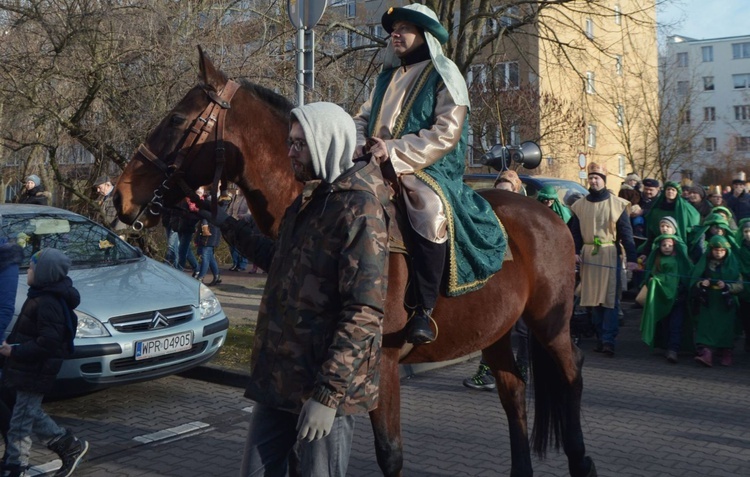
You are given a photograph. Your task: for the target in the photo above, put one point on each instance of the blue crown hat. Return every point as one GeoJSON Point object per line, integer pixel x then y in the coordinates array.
{"type": "Point", "coordinates": [428, 24]}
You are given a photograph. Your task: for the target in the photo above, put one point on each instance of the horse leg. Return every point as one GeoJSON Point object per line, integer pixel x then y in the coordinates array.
{"type": "Point", "coordinates": [511, 389]}
{"type": "Point", "coordinates": [386, 418]}
{"type": "Point", "coordinates": [558, 383]}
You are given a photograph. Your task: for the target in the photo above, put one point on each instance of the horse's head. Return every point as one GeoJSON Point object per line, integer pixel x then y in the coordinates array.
{"type": "Point", "coordinates": [209, 136]}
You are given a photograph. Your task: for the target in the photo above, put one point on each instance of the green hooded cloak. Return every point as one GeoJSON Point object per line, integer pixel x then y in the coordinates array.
{"type": "Point", "coordinates": [743, 256]}
{"type": "Point", "coordinates": [699, 232]}
{"type": "Point", "coordinates": [684, 213]}
{"type": "Point", "coordinates": [714, 319]}
{"type": "Point", "coordinates": [562, 211]}
{"type": "Point", "coordinates": [665, 277]}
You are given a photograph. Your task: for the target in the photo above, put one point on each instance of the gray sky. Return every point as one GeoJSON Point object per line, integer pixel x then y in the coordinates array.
{"type": "Point", "coordinates": [703, 19]}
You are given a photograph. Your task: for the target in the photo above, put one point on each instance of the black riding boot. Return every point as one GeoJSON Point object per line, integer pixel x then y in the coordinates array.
{"type": "Point", "coordinates": [428, 259]}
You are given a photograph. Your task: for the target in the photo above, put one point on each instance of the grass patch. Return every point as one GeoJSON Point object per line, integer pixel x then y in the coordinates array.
{"type": "Point", "coordinates": [235, 354]}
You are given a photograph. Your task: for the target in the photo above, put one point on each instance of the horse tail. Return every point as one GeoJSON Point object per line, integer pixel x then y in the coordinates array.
{"type": "Point", "coordinates": [554, 399]}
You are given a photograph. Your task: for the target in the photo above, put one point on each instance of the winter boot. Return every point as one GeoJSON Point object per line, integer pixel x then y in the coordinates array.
{"type": "Point", "coordinates": [418, 329]}
{"type": "Point", "coordinates": [704, 357]}
{"type": "Point", "coordinates": [726, 357]}
{"type": "Point", "coordinates": [71, 450]}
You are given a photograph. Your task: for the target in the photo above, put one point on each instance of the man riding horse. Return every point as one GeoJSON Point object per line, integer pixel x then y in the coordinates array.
{"type": "Point", "coordinates": [417, 118]}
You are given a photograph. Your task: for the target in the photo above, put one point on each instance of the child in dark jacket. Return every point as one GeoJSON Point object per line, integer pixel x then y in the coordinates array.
{"type": "Point", "coordinates": [41, 338]}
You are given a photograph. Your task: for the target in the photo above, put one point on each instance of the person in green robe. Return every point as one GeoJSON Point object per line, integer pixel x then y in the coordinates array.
{"type": "Point", "coordinates": [728, 214]}
{"type": "Point", "coordinates": [715, 283]}
{"type": "Point", "coordinates": [670, 202]}
{"type": "Point", "coordinates": [548, 196]}
{"type": "Point", "coordinates": [714, 224]}
{"type": "Point", "coordinates": [667, 278]}
{"type": "Point", "coordinates": [742, 238]}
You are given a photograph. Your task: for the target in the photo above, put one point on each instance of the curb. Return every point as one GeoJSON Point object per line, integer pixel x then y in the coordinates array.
{"type": "Point", "coordinates": [238, 379]}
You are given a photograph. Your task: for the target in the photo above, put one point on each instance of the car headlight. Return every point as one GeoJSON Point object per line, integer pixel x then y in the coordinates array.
{"type": "Point", "coordinates": [209, 303]}
{"type": "Point", "coordinates": [89, 327]}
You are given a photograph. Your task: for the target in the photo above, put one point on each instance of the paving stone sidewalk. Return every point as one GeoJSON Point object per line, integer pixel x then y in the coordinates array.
{"type": "Point", "coordinates": [641, 417]}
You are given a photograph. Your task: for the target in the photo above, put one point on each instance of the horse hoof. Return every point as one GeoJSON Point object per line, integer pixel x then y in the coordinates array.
{"type": "Point", "coordinates": [592, 467]}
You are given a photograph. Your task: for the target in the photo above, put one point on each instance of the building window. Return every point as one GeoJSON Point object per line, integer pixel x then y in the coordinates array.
{"type": "Point", "coordinates": [506, 76]}
{"type": "Point", "coordinates": [708, 83]}
{"type": "Point", "coordinates": [743, 143]}
{"type": "Point", "coordinates": [351, 8]}
{"type": "Point", "coordinates": [683, 87]}
{"type": "Point", "coordinates": [620, 115]}
{"type": "Point", "coordinates": [477, 75]}
{"type": "Point", "coordinates": [618, 65]}
{"type": "Point", "coordinates": [590, 28]}
{"type": "Point", "coordinates": [377, 31]}
{"type": "Point", "coordinates": [618, 15]}
{"type": "Point", "coordinates": [710, 144]}
{"type": "Point", "coordinates": [591, 136]}
{"type": "Point", "coordinates": [741, 81]}
{"type": "Point", "coordinates": [740, 50]}
{"type": "Point", "coordinates": [515, 135]}
{"type": "Point", "coordinates": [709, 114]}
{"type": "Point", "coordinates": [511, 16]}
{"type": "Point", "coordinates": [621, 164]}
{"type": "Point", "coordinates": [590, 86]}
{"type": "Point", "coordinates": [742, 113]}
{"type": "Point", "coordinates": [682, 59]}
{"type": "Point", "coordinates": [708, 53]}
{"type": "Point", "coordinates": [470, 150]}
{"type": "Point", "coordinates": [685, 117]}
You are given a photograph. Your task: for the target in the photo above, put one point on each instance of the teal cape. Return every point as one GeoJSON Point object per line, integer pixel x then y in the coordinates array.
{"type": "Point", "coordinates": [477, 239]}
{"type": "Point", "coordinates": [664, 277]}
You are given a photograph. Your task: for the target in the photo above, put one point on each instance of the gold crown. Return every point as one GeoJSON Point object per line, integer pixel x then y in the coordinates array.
{"type": "Point", "coordinates": [595, 168]}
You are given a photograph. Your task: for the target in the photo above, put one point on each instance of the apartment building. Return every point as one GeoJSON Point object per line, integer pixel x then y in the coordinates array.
{"type": "Point", "coordinates": [712, 77]}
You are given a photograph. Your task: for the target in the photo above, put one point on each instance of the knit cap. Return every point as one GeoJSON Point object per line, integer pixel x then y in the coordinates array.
{"type": "Point", "coordinates": [50, 266]}
{"type": "Point", "coordinates": [670, 220]}
{"type": "Point", "coordinates": [35, 179]}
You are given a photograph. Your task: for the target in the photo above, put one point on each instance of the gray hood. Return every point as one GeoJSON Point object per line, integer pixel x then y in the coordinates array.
{"type": "Point", "coordinates": [331, 135]}
{"type": "Point", "coordinates": [50, 266]}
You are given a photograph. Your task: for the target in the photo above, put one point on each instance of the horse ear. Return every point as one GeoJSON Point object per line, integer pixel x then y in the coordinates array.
{"type": "Point", "coordinates": [209, 75]}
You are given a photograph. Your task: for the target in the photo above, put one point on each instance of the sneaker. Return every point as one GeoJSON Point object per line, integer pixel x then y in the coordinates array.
{"type": "Point", "coordinates": [599, 348]}
{"type": "Point", "coordinates": [71, 450]}
{"type": "Point", "coordinates": [672, 356]}
{"type": "Point", "coordinates": [704, 357]}
{"type": "Point", "coordinates": [482, 379]}
{"type": "Point", "coordinates": [608, 350]}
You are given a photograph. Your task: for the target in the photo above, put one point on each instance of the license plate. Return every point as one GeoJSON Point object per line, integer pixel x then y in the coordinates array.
{"type": "Point", "coordinates": [165, 345]}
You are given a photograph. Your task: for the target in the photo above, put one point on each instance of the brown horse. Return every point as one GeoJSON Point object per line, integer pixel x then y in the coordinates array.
{"type": "Point", "coordinates": [216, 132]}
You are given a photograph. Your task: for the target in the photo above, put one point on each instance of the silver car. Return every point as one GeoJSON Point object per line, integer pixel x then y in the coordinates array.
{"type": "Point", "coordinates": [138, 319]}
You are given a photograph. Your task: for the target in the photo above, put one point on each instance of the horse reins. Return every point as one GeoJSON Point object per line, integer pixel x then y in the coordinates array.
{"type": "Point", "coordinates": [213, 115]}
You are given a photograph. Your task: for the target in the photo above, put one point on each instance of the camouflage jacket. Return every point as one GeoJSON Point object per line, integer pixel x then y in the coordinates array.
{"type": "Point", "coordinates": [320, 320]}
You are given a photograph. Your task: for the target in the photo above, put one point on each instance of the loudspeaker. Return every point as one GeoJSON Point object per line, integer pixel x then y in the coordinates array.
{"type": "Point", "coordinates": [528, 154]}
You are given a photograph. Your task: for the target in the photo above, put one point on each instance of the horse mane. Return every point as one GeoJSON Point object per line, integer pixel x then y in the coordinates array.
{"type": "Point", "coordinates": [278, 103]}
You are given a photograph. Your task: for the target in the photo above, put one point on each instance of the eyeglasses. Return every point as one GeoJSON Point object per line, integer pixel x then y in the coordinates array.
{"type": "Point", "coordinates": [296, 144]}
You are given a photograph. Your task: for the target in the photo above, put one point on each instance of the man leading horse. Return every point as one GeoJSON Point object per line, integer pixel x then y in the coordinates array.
{"type": "Point", "coordinates": [417, 118]}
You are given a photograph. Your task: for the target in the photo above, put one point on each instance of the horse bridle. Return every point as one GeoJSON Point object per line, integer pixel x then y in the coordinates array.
{"type": "Point", "coordinates": [212, 116]}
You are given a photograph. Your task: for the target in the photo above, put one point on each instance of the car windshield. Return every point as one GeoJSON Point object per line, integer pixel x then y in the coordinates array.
{"type": "Point", "coordinates": [85, 242]}
{"type": "Point", "coordinates": [564, 188]}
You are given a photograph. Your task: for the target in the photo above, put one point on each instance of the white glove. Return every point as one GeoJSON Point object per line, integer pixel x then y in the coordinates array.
{"type": "Point", "coordinates": [315, 421]}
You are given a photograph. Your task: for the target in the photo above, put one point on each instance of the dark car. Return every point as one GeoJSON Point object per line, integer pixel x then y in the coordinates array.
{"type": "Point", "coordinates": [568, 191]}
